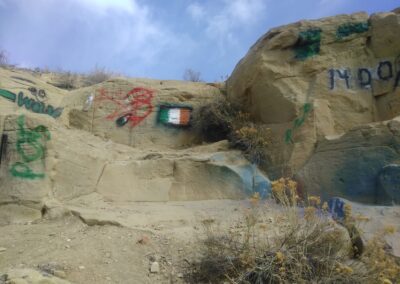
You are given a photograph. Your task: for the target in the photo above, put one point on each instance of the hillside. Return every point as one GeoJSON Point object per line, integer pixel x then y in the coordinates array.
{"type": "Point", "coordinates": [99, 182]}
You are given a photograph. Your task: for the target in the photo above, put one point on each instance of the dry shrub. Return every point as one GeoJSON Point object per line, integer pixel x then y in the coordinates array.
{"type": "Point", "coordinates": [192, 75]}
{"type": "Point", "coordinates": [3, 58]}
{"type": "Point", "coordinates": [302, 245]}
{"type": "Point", "coordinates": [219, 120]}
{"type": "Point", "coordinates": [98, 75]}
{"type": "Point", "coordinates": [66, 80]}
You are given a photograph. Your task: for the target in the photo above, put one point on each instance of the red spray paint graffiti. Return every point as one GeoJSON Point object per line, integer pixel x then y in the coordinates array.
{"type": "Point", "coordinates": [133, 107]}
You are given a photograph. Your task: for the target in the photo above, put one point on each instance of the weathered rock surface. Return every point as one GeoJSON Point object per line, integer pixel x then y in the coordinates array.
{"type": "Point", "coordinates": [48, 159]}
{"type": "Point", "coordinates": [30, 276]}
{"type": "Point", "coordinates": [351, 165]}
{"type": "Point", "coordinates": [389, 181]}
{"type": "Point", "coordinates": [312, 81]}
{"type": "Point", "coordinates": [328, 89]}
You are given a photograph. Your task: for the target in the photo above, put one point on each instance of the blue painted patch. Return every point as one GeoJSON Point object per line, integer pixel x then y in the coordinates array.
{"type": "Point", "coordinates": [389, 182]}
{"type": "Point", "coordinates": [357, 177]}
{"type": "Point", "coordinates": [336, 208]}
{"type": "Point", "coordinates": [253, 180]}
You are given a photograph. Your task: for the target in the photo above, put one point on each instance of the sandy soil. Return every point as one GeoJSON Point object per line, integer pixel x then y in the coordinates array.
{"type": "Point", "coordinates": [105, 242]}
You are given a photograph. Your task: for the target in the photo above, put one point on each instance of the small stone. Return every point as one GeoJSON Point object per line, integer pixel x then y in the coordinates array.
{"type": "Point", "coordinates": [155, 267]}
{"type": "Point", "coordinates": [180, 275]}
{"type": "Point", "coordinates": [81, 267]}
{"type": "Point", "coordinates": [2, 249]}
{"type": "Point", "coordinates": [60, 274]}
{"type": "Point", "coordinates": [68, 240]}
{"type": "Point", "coordinates": [144, 240]}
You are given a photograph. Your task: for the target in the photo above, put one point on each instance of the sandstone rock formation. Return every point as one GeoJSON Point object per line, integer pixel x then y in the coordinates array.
{"type": "Point", "coordinates": [328, 89]}
{"type": "Point", "coordinates": [128, 140]}
{"type": "Point", "coordinates": [318, 85]}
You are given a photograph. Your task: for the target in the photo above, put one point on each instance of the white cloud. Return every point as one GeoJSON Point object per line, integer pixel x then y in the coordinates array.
{"type": "Point", "coordinates": [122, 35]}
{"type": "Point", "coordinates": [233, 14]}
{"type": "Point", "coordinates": [196, 11]}
{"type": "Point", "coordinates": [102, 6]}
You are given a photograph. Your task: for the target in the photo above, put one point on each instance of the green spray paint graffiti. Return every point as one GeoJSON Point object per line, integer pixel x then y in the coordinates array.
{"type": "Point", "coordinates": [348, 29]}
{"type": "Point", "coordinates": [29, 148]}
{"type": "Point", "coordinates": [308, 43]}
{"type": "Point", "coordinates": [307, 107]}
{"type": "Point", "coordinates": [31, 104]}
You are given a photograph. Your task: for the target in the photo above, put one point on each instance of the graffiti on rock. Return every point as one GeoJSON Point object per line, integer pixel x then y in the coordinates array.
{"type": "Point", "coordinates": [384, 71]}
{"type": "Point", "coordinates": [36, 106]}
{"type": "Point", "coordinates": [30, 148]}
{"type": "Point", "coordinates": [306, 109]}
{"type": "Point", "coordinates": [131, 108]}
{"type": "Point", "coordinates": [8, 95]}
{"type": "Point", "coordinates": [40, 94]}
{"type": "Point", "coordinates": [175, 116]}
{"type": "Point", "coordinates": [308, 43]}
{"type": "Point", "coordinates": [348, 29]}
{"type": "Point", "coordinates": [3, 146]}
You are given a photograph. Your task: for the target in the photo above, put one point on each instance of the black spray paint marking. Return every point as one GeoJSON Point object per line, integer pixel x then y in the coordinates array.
{"type": "Point", "coordinates": [381, 70]}
{"type": "Point", "coordinates": [342, 74]}
{"type": "Point", "coordinates": [364, 77]}
{"type": "Point", "coordinates": [3, 146]}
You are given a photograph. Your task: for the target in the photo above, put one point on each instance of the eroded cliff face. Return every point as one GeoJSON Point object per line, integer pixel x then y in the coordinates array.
{"type": "Point", "coordinates": [125, 140]}
{"type": "Point", "coordinates": [329, 89]}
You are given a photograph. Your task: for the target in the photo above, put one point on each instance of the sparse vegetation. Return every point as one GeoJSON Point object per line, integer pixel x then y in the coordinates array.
{"type": "Point", "coordinates": [66, 80]}
{"type": "Point", "coordinates": [301, 245]}
{"type": "Point", "coordinates": [192, 75]}
{"type": "Point", "coordinates": [98, 75]}
{"type": "Point", "coordinates": [220, 120]}
{"type": "Point", "coordinates": [70, 80]}
{"type": "Point", "coordinates": [3, 58]}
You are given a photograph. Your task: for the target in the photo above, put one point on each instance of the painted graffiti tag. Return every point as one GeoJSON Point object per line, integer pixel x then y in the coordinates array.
{"type": "Point", "coordinates": [3, 145]}
{"type": "Point", "coordinates": [30, 148]}
{"type": "Point", "coordinates": [308, 43]}
{"type": "Point", "coordinates": [40, 94]}
{"type": "Point", "coordinates": [176, 116]}
{"type": "Point", "coordinates": [348, 29]}
{"type": "Point", "coordinates": [307, 107]}
{"type": "Point", "coordinates": [384, 71]}
{"type": "Point", "coordinates": [133, 107]}
{"type": "Point", "coordinates": [36, 106]}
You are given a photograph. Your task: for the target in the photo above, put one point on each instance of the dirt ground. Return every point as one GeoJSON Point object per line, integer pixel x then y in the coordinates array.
{"type": "Point", "coordinates": [117, 243]}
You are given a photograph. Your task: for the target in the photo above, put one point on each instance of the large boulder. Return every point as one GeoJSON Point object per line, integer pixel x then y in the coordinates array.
{"type": "Point", "coordinates": [313, 79]}
{"type": "Point", "coordinates": [352, 165]}
{"type": "Point", "coordinates": [389, 181]}
{"type": "Point", "coordinates": [312, 82]}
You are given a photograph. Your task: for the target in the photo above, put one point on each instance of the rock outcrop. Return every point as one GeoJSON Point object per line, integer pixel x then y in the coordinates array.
{"type": "Point", "coordinates": [125, 139]}
{"type": "Point", "coordinates": [328, 89]}
{"type": "Point", "coordinates": [319, 85]}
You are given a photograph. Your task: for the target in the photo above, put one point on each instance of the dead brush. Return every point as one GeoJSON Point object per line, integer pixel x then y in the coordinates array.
{"type": "Point", "coordinates": [300, 245]}
{"type": "Point", "coordinates": [96, 76]}
{"type": "Point", "coordinates": [221, 120]}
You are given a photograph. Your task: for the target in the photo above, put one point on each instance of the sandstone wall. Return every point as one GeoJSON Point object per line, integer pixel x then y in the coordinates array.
{"type": "Point", "coordinates": [313, 81]}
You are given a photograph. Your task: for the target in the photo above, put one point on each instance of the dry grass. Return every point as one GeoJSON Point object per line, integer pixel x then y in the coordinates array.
{"type": "Point", "coordinates": [192, 75]}
{"type": "Point", "coordinates": [3, 58]}
{"type": "Point", "coordinates": [220, 120]}
{"type": "Point", "coordinates": [66, 80]}
{"type": "Point", "coordinates": [301, 245]}
{"type": "Point", "coordinates": [71, 80]}
{"type": "Point", "coordinates": [98, 75]}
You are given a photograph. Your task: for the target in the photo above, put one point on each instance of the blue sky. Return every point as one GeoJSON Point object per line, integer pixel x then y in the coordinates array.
{"type": "Point", "coordinates": [153, 38]}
